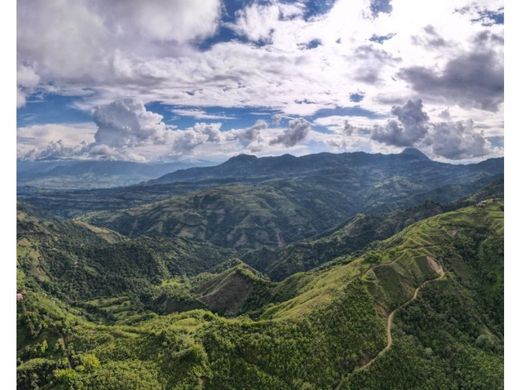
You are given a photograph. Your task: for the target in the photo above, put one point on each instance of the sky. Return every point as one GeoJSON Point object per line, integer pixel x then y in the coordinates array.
{"type": "Point", "coordinates": [209, 79]}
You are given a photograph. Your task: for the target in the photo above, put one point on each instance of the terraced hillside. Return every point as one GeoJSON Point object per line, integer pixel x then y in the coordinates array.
{"type": "Point", "coordinates": [440, 280]}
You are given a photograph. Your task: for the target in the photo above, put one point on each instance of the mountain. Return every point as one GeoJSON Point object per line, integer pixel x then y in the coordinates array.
{"type": "Point", "coordinates": [248, 167]}
{"type": "Point", "coordinates": [421, 309]}
{"type": "Point", "coordinates": [414, 154]}
{"type": "Point", "coordinates": [356, 234]}
{"type": "Point", "coordinates": [76, 261]}
{"type": "Point", "coordinates": [383, 178]}
{"type": "Point", "coordinates": [300, 272]}
{"type": "Point", "coordinates": [92, 174]}
{"type": "Point", "coordinates": [277, 211]}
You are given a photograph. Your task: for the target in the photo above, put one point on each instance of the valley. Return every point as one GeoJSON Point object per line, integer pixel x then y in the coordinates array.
{"type": "Point", "coordinates": [325, 271]}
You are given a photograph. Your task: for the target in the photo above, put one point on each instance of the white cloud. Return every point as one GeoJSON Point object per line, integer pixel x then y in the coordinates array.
{"type": "Point", "coordinates": [296, 132]}
{"type": "Point", "coordinates": [95, 43]}
{"type": "Point", "coordinates": [198, 114]}
{"type": "Point", "coordinates": [27, 81]}
{"type": "Point", "coordinates": [35, 138]}
{"type": "Point", "coordinates": [458, 140]}
{"type": "Point", "coordinates": [114, 50]}
{"type": "Point", "coordinates": [127, 122]}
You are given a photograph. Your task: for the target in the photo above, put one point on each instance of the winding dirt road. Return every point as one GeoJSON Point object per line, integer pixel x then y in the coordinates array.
{"type": "Point", "coordinates": [390, 321]}
{"type": "Point", "coordinates": [434, 266]}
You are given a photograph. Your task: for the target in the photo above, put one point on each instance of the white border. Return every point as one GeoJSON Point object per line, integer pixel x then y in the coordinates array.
{"type": "Point", "coordinates": [512, 196]}
{"type": "Point", "coordinates": [8, 193]}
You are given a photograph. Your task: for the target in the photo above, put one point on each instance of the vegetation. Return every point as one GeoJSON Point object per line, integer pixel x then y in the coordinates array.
{"type": "Point", "coordinates": [315, 329]}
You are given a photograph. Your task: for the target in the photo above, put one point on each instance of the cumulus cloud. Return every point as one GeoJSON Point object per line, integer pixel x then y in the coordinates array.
{"type": "Point", "coordinates": [372, 60]}
{"type": "Point", "coordinates": [454, 140]}
{"type": "Point", "coordinates": [185, 141]}
{"type": "Point", "coordinates": [431, 38]}
{"type": "Point", "coordinates": [94, 41]}
{"type": "Point", "coordinates": [54, 150]}
{"type": "Point", "coordinates": [470, 80]}
{"type": "Point", "coordinates": [53, 140]}
{"type": "Point", "coordinates": [381, 38]}
{"type": "Point", "coordinates": [277, 119]}
{"type": "Point", "coordinates": [27, 80]}
{"type": "Point", "coordinates": [457, 140]}
{"type": "Point", "coordinates": [111, 49]}
{"type": "Point", "coordinates": [255, 21]}
{"type": "Point", "coordinates": [251, 134]}
{"type": "Point", "coordinates": [410, 126]}
{"type": "Point", "coordinates": [127, 122]}
{"type": "Point", "coordinates": [296, 132]}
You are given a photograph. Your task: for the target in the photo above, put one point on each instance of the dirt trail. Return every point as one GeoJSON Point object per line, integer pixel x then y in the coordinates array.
{"type": "Point", "coordinates": [435, 266]}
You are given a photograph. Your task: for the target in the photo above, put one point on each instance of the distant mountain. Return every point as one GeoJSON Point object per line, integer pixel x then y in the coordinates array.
{"type": "Point", "coordinates": [248, 167]}
{"type": "Point", "coordinates": [92, 174]}
{"type": "Point", "coordinates": [347, 174]}
{"type": "Point", "coordinates": [414, 153]}
{"type": "Point", "coordinates": [285, 199]}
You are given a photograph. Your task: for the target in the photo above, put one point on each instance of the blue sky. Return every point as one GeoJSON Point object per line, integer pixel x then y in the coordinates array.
{"type": "Point", "coordinates": [180, 79]}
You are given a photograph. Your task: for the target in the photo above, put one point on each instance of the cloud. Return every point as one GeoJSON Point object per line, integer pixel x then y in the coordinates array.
{"type": "Point", "coordinates": [454, 140]}
{"type": "Point", "coordinates": [457, 141]}
{"type": "Point", "coordinates": [162, 20]}
{"type": "Point", "coordinates": [485, 16]}
{"type": "Point", "coordinates": [256, 21]}
{"type": "Point", "coordinates": [54, 150]}
{"type": "Point", "coordinates": [470, 80]}
{"type": "Point", "coordinates": [372, 60]}
{"type": "Point", "coordinates": [251, 134]}
{"type": "Point", "coordinates": [199, 114]}
{"type": "Point", "coordinates": [296, 132]}
{"type": "Point", "coordinates": [94, 41]}
{"type": "Point", "coordinates": [277, 119]}
{"type": "Point", "coordinates": [348, 129]}
{"type": "Point", "coordinates": [410, 126]}
{"type": "Point", "coordinates": [430, 39]}
{"type": "Point", "coordinates": [184, 141]}
{"type": "Point", "coordinates": [127, 122]}
{"type": "Point", "coordinates": [27, 80]}
{"type": "Point", "coordinates": [103, 50]}
{"type": "Point", "coordinates": [381, 38]}
{"type": "Point", "coordinates": [33, 141]}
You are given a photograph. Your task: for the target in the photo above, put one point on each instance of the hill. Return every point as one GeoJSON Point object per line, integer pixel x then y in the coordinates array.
{"type": "Point", "coordinates": [249, 167]}
{"type": "Point", "coordinates": [356, 234]}
{"type": "Point", "coordinates": [383, 178]}
{"type": "Point", "coordinates": [76, 261]}
{"type": "Point", "coordinates": [281, 211]}
{"type": "Point", "coordinates": [423, 308]}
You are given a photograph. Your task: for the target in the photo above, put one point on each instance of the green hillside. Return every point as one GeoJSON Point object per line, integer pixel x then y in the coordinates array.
{"type": "Point", "coordinates": [353, 182]}
{"type": "Point", "coordinates": [279, 212]}
{"type": "Point", "coordinates": [76, 261]}
{"type": "Point", "coordinates": [422, 309]}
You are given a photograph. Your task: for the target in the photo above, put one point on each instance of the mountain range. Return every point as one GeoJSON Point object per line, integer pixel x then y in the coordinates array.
{"type": "Point", "coordinates": [76, 174]}
{"type": "Point", "coordinates": [326, 271]}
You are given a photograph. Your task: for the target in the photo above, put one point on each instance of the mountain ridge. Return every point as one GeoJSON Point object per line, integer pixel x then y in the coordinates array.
{"type": "Point", "coordinates": [248, 166]}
